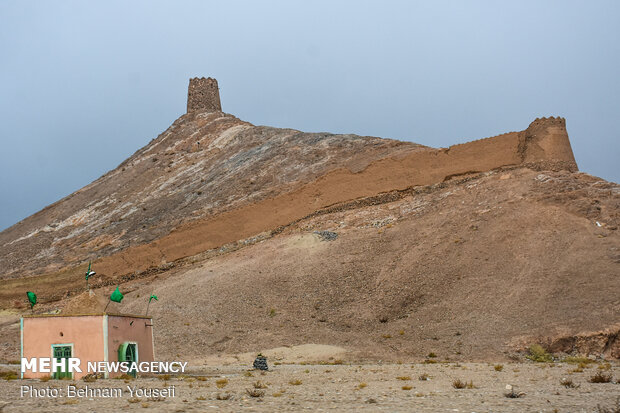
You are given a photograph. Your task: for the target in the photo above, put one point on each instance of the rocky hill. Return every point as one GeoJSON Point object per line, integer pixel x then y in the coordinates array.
{"type": "Point", "coordinates": [266, 237]}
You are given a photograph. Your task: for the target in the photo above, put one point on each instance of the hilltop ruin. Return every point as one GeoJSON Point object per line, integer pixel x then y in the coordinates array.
{"type": "Point", "coordinates": [203, 94]}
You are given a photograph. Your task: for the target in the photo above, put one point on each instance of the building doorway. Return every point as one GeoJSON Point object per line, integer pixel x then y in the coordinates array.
{"type": "Point", "coordinates": [62, 353]}
{"type": "Point", "coordinates": [129, 352]}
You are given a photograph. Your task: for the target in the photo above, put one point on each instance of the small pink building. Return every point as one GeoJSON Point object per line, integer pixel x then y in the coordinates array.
{"type": "Point", "coordinates": [89, 337]}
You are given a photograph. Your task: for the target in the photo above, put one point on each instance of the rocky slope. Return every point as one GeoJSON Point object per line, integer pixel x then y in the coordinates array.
{"type": "Point", "coordinates": [475, 268]}
{"type": "Point", "coordinates": [204, 164]}
{"type": "Point", "coordinates": [257, 237]}
{"type": "Point", "coordinates": [472, 269]}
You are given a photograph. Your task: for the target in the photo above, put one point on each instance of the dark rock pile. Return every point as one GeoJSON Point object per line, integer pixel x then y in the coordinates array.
{"type": "Point", "coordinates": [326, 235]}
{"type": "Point", "coordinates": [260, 363]}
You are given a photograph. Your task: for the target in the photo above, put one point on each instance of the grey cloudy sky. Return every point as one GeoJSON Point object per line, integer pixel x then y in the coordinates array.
{"type": "Point", "coordinates": [83, 85]}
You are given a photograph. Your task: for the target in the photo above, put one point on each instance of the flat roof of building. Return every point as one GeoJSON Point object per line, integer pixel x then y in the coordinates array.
{"type": "Point", "coordinates": [87, 315]}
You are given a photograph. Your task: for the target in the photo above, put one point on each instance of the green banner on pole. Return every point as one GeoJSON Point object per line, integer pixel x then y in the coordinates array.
{"type": "Point", "coordinates": [116, 296]}
{"type": "Point", "coordinates": [32, 297]}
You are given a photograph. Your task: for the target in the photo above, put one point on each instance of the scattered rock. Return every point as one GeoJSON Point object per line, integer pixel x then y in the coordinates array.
{"type": "Point", "coordinates": [326, 235]}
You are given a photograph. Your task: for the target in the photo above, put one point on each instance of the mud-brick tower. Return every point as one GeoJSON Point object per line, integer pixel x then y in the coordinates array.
{"type": "Point", "coordinates": [203, 94]}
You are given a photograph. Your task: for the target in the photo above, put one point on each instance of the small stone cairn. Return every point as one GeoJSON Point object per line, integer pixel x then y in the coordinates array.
{"type": "Point", "coordinates": [260, 363]}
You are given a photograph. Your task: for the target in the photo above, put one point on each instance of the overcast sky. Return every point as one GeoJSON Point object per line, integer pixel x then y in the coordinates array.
{"type": "Point", "coordinates": [83, 85]}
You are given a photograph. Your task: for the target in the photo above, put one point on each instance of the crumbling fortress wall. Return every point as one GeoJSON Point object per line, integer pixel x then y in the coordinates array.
{"type": "Point", "coordinates": [203, 94]}
{"type": "Point", "coordinates": [543, 145]}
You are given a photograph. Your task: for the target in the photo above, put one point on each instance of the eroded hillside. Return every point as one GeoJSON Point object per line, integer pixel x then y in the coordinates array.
{"type": "Point", "coordinates": [474, 268]}
{"type": "Point", "coordinates": [204, 164]}
{"type": "Point", "coordinates": [261, 237]}
{"type": "Point", "coordinates": [211, 180]}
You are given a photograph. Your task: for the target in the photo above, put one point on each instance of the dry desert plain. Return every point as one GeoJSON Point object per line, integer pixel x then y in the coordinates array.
{"type": "Point", "coordinates": [394, 387]}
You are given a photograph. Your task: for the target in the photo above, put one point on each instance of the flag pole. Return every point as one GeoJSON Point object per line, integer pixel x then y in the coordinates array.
{"type": "Point", "coordinates": [149, 303]}
{"type": "Point", "coordinates": [106, 306]}
{"type": "Point", "coordinates": [87, 276]}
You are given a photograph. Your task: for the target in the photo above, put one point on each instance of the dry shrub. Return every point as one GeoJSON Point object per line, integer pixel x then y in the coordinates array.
{"type": "Point", "coordinates": [568, 383]}
{"type": "Point", "coordinates": [403, 378]}
{"type": "Point", "coordinates": [255, 392]}
{"type": "Point", "coordinates": [9, 375]}
{"type": "Point", "coordinates": [577, 360]}
{"type": "Point", "coordinates": [259, 385]}
{"type": "Point", "coordinates": [498, 367]}
{"type": "Point", "coordinates": [537, 353]}
{"type": "Point", "coordinates": [296, 382]}
{"type": "Point", "coordinates": [221, 383]}
{"type": "Point", "coordinates": [223, 396]}
{"type": "Point", "coordinates": [361, 385]}
{"type": "Point", "coordinates": [90, 378]}
{"type": "Point", "coordinates": [459, 384]}
{"type": "Point", "coordinates": [600, 377]}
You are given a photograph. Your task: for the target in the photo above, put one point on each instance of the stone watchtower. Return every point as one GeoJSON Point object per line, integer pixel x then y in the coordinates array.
{"type": "Point", "coordinates": [203, 94]}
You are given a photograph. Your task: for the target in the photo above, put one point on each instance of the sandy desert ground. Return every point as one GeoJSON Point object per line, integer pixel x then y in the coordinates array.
{"type": "Point", "coordinates": [544, 387]}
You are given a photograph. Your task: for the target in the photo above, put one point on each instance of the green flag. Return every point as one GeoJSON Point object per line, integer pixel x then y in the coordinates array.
{"type": "Point", "coordinates": [116, 296]}
{"type": "Point", "coordinates": [32, 297]}
{"type": "Point", "coordinates": [153, 297]}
